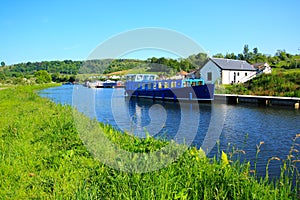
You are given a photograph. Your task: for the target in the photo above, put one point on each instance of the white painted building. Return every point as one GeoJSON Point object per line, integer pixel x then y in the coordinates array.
{"type": "Point", "coordinates": [227, 71]}
{"type": "Point", "coordinates": [263, 68]}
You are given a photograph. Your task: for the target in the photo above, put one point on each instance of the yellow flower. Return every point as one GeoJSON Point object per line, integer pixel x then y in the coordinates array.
{"type": "Point", "coordinates": [224, 158]}
{"type": "Point", "coordinates": [202, 153]}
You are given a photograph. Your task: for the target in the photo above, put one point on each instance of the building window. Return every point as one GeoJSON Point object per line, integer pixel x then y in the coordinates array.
{"type": "Point", "coordinates": [209, 76]}
{"type": "Point", "coordinates": [246, 74]}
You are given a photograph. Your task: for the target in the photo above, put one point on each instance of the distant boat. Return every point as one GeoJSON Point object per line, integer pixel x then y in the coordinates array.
{"type": "Point", "coordinates": [148, 86]}
{"type": "Point", "coordinates": [105, 84]}
{"type": "Point", "coordinates": [96, 84]}
{"type": "Point", "coordinates": [109, 84]}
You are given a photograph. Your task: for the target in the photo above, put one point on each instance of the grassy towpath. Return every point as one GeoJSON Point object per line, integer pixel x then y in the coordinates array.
{"type": "Point", "coordinates": [43, 157]}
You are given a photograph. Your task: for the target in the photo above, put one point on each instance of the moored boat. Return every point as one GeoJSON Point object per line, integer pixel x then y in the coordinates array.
{"type": "Point", "coordinates": [104, 84]}
{"type": "Point", "coordinates": [148, 86]}
{"type": "Point", "coordinates": [109, 84]}
{"type": "Point", "coordinates": [95, 84]}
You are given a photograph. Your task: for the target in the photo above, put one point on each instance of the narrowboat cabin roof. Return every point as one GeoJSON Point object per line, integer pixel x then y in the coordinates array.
{"type": "Point", "coordinates": [194, 80]}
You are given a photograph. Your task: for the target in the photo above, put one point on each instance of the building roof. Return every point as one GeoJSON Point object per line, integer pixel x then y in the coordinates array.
{"type": "Point", "coordinates": [228, 64]}
{"type": "Point", "coordinates": [183, 73]}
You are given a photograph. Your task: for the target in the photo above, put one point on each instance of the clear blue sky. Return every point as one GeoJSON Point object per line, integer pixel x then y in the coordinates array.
{"type": "Point", "coordinates": [36, 30]}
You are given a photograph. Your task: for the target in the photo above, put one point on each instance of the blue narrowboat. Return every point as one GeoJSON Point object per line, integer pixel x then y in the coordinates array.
{"type": "Point", "coordinates": [149, 86]}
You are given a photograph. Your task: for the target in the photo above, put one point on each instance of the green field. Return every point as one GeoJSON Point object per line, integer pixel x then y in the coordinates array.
{"type": "Point", "coordinates": [43, 157]}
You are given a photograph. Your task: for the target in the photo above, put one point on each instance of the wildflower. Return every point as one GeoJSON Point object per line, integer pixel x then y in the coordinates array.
{"type": "Point", "coordinates": [202, 153]}
{"type": "Point", "coordinates": [224, 158]}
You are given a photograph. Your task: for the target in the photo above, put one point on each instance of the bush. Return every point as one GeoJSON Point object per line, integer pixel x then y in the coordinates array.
{"type": "Point", "coordinates": [42, 76]}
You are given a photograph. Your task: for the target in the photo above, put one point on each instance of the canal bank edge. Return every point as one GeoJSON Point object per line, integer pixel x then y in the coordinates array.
{"type": "Point", "coordinates": [292, 102]}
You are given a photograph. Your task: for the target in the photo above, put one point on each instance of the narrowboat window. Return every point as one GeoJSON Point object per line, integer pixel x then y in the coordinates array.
{"type": "Point", "coordinates": [159, 85]}
{"type": "Point", "coordinates": [178, 84]}
{"type": "Point", "coordinates": [139, 77]}
{"type": "Point", "coordinates": [246, 74]}
{"type": "Point", "coordinates": [154, 86]}
{"type": "Point", "coordinates": [151, 78]}
{"type": "Point", "coordinates": [173, 84]}
{"type": "Point", "coordinates": [166, 85]}
{"type": "Point", "coordinates": [146, 77]}
{"type": "Point", "coordinates": [139, 86]}
{"type": "Point", "coordinates": [193, 83]}
{"type": "Point", "coordinates": [131, 77]}
{"type": "Point", "coordinates": [209, 76]}
{"type": "Point", "coordinates": [238, 73]}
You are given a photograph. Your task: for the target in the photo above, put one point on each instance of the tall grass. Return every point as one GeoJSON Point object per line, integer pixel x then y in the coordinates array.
{"type": "Point", "coordinates": [43, 157]}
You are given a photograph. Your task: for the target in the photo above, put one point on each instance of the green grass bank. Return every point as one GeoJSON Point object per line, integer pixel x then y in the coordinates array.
{"type": "Point", "coordinates": [281, 82]}
{"type": "Point", "coordinates": [43, 157]}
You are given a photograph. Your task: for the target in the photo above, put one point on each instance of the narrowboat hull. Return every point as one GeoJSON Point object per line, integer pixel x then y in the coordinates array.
{"type": "Point", "coordinates": [197, 93]}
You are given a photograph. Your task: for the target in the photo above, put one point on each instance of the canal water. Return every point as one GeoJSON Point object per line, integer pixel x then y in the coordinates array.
{"type": "Point", "coordinates": [213, 127]}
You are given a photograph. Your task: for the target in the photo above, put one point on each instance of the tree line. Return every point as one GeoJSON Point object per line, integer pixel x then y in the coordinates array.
{"type": "Point", "coordinates": [281, 59]}
{"type": "Point", "coordinates": [64, 71]}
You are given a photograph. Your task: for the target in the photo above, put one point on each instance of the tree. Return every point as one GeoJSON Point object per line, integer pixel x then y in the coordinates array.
{"type": "Point", "coordinates": [255, 51]}
{"type": "Point", "coordinates": [198, 60]}
{"type": "Point", "coordinates": [2, 64]}
{"type": "Point", "coordinates": [72, 79]}
{"type": "Point", "coordinates": [282, 55]}
{"type": "Point", "coordinates": [246, 52]}
{"type": "Point", "coordinates": [230, 56]}
{"type": "Point", "coordinates": [218, 55]}
{"type": "Point", "coordinates": [240, 56]}
{"type": "Point", "coordinates": [42, 76]}
{"type": "Point", "coordinates": [55, 77]}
